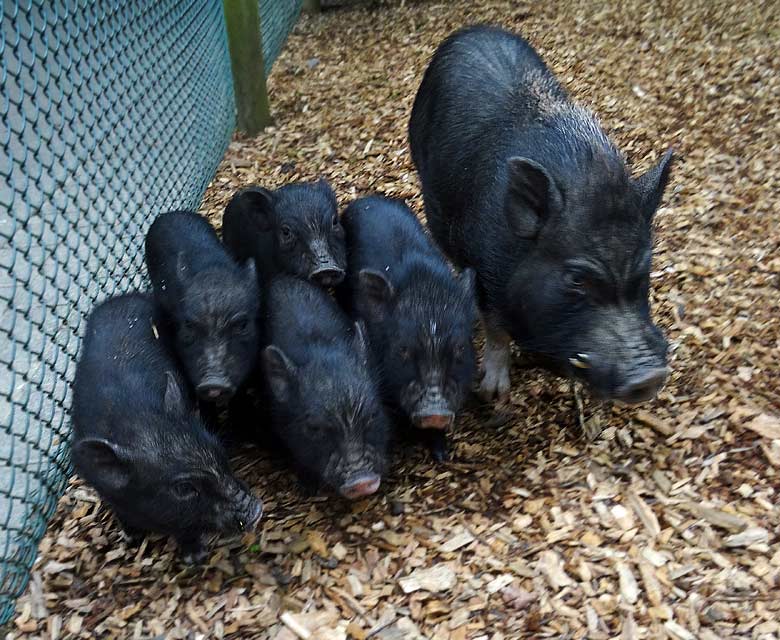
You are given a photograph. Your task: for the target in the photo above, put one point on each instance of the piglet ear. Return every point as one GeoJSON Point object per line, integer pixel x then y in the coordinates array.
{"type": "Point", "coordinates": [360, 339]}
{"type": "Point", "coordinates": [280, 373]}
{"type": "Point", "coordinates": [651, 185]}
{"type": "Point", "coordinates": [102, 463]}
{"type": "Point", "coordinates": [173, 401]}
{"type": "Point", "coordinates": [255, 203]}
{"type": "Point", "coordinates": [375, 294]}
{"type": "Point", "coordinates": [323, 184]}
{"type": "Point", "coordinates": [531, 195]}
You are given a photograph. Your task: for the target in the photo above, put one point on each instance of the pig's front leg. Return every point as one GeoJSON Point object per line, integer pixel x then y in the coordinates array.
{"type": "Point", "coordinates": [495, 362]}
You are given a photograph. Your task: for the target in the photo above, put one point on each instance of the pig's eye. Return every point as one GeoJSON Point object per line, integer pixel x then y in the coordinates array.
{"type": "Point", "coordinates": [313, 430]}
{"type": "Point", "coordinates": [286, 235]}
{"type": "Point", "coordinates": [240, 324]}
{"type": "Point", "coordinates": [576, 283]}
{"type": "Point", "coordinates": [187, 332]}
{"type": "Point", "coordinates": [184, 490]}
{"type": "Point", "coordinates": [336, 222]}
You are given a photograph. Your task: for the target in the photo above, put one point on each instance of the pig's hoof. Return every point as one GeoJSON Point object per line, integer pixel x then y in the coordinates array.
{"type": "Point", "coordinates": [132, 537]}
{"type": "Point", "coordinates": [494, 385]}
{"type": "Point", "coordinates": [194, 554]}
{"type": "Point", "coordinates": [439, 453]}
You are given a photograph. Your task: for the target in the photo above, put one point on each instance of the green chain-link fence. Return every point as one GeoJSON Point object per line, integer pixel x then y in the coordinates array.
{"type": "Point", "coordinates": [277, 18]}
{"type": "Point", "coordinates": [110, 112]}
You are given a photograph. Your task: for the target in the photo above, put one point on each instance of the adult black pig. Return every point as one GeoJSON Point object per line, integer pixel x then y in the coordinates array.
{"type": "Point", "coordinates": [524, 186]}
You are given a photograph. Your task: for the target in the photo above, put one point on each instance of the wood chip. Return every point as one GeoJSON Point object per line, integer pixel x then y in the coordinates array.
{"type": "Point", "coordinates": [654, 422]}
{"type": "Point", "coordinates": [677, 631]}
{"type": "Point", "coordinates": [765, 425]}
{"type": "Point", "coordinates": [294, 626]}
{"type": "Point", "coordinates": [438, 578]}
{"type": "Point", "coordinates": [629, 590]}
{"type": "Point", "coordinates": [457, 541]}
{"type": "Point", "coordinates": [718, 518]}
{"type": "Point", "coordinates": [551, 566]}
{"type": "Point", "coordinates": [644, 513]}
{"type": "Point", "coordinates": [748, 537]}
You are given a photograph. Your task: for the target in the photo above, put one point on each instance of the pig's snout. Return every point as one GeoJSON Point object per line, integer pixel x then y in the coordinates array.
{"type": "Point", "coordinates": [643, 386]}
{"type": "Point", "coordinates": [328, 275]}
{"type": "Point", "coordinates": [215, 389]}
{"type": "Point", "coordinates": [433, 411]}
{"type": "Point", "coordinates": [324, 270]}
{"type": "Point", "coordinates": [251, 516]}
{"type": "Point", "coordinates": [361, 485]}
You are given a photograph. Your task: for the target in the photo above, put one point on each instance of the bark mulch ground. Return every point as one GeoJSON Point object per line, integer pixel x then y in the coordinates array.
{"type": "Point", "coordinates": [656, 522]}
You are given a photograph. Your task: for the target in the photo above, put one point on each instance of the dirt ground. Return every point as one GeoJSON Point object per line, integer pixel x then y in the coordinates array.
{"type": "Point", "coordinates": [663, 525]}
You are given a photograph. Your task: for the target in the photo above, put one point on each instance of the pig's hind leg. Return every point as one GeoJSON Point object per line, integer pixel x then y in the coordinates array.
{"type": "Point", "coordinates": [495, 361]}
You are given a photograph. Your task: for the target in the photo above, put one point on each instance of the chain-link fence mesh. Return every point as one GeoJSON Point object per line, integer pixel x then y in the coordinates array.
{"type": "Point", "coordinates": [111, 112]}
{"type": "Point", "coordinates": [277, 18]}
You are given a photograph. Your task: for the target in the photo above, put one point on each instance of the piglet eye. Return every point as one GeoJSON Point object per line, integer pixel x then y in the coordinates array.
{"type": "Point", "coordinates": [313, 430]}
{"type": "Point", "coordinates": [576, 282]}
{"type": "Point", "coordinates": [184, 490]}
{"type": "Point", "coordinates": [335, 221]}
{"type": "Point", "coordinates": [286, 234]}
{"type": "Point", "coordinates": [187, 332]}
{"type": "Point", "coordinates": [240, 324]}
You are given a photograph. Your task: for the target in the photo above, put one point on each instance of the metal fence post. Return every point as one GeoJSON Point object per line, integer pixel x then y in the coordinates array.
{"type": "Point", "coordinates": [246, 60]}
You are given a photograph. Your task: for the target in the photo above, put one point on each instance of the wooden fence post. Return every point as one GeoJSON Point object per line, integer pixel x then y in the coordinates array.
{"type": "Point", "coordinates": [245, 42]}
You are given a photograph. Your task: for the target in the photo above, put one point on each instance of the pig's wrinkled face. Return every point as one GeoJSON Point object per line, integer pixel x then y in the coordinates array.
{"type": "Point", "coordinates": [429, 358]}
{"type": "Point", "coordinates": [217, 331]}
{"type": "Point", "coordinates": [593, 319]}
{"type": "Point", "coordinates": [334, 424]}
{"type": "Point", "coordinates": [176, 480]}
{"type": "Point", "coordinates": [581, 297]}
{"type": "Point", "coordinates": [308, 235]}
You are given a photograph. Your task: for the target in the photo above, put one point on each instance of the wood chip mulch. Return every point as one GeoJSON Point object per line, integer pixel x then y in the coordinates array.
{"type": "Point", "coordinates": [656, 522]}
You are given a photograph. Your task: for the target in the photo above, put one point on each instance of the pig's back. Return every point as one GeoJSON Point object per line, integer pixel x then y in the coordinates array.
{"type": "Point", "coordinates": [123, 365]}
{"type": "Point", "coordinates": [301, 314]}
{"type": "Point", "coordinates": [382, 235]}
{"type": "Point", "coordinates": [186, 237]}
{"type": "Point", "coordinates": [482, 84]}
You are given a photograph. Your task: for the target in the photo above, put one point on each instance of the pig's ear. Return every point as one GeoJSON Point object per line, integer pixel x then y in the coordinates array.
{"type": "Point", "coordinates": [257, 203]}
{"type": "Point", "coordinates": [651, 185]}
{"type": "Point", "coordinates": [323, 185]}
{"type": "Point", "coordinates": [531, 195]}
{"type": "Point", "coordinates": [105, 463]}
{"type": "Point", "coordinates": [279, 371]}
{"type": "Point", "coordinates": [173, 401]}
{"type": "Point", "coordinates": [360, 339]}
{"type": "Point", "coordinates": [375, 292]}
